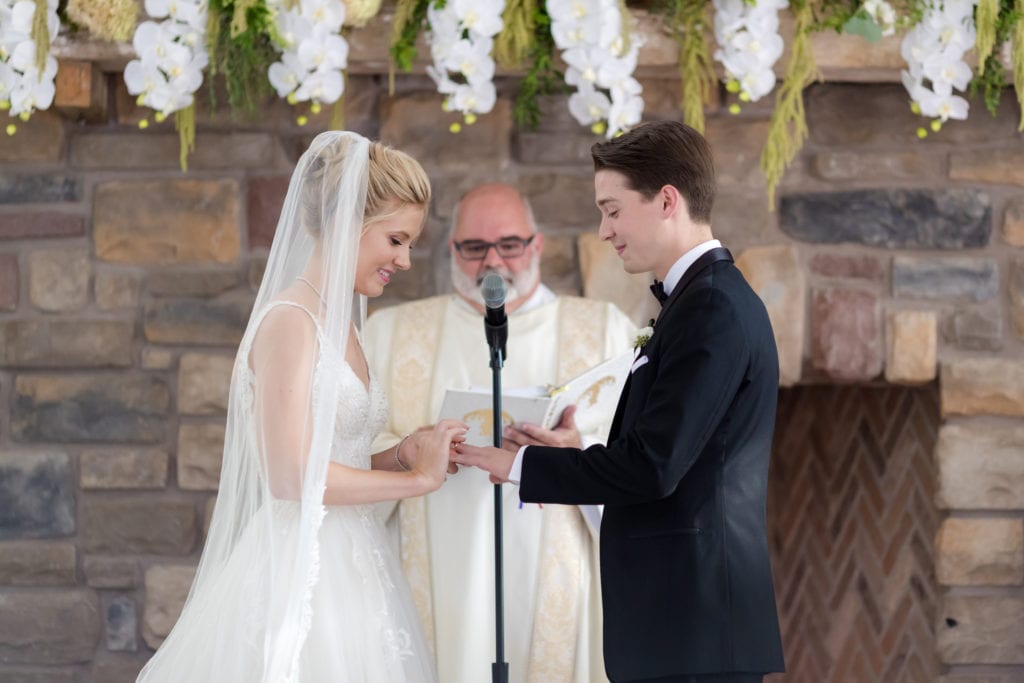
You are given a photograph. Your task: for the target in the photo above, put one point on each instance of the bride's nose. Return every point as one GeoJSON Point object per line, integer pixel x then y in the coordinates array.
{"type": "Point", "coordinates": [402, 260]}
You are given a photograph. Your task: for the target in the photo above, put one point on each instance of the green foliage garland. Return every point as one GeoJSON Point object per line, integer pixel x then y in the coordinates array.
{"type": "Point", "coordinates": [185, 124]}
{"type": "Point", "coordinates": [542, 77]}
{"type": "Point", "coordinates": [410, 16]}
{"type": "Point", "coordinates": [788, 129]}
{"type": "Point", "coordinates": [239, 38]}
{"type": "Point", "coordinates": [515, 42]}
{"type": "Point", "coordinates": [1002, 20]}
{"type": "Point", "coordinates": [41, 34]}
{"type": "Point", "coordinates": [688, 21]}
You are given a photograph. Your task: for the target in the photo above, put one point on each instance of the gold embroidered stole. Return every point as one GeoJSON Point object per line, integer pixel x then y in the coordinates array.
{"type": "Point", "coordinates": [565, 539]}
{"type": "Point", "coordinates": [566, 545]}
{"type": "Point", "coordinates": [414, 345]}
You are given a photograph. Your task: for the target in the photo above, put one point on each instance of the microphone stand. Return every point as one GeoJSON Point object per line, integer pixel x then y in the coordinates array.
{"type": "Point", "coordinates": [499, 668]}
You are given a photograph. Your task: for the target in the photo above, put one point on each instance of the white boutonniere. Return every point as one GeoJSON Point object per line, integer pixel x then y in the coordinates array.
{"type": "Point", "coordinates": [643, 336]}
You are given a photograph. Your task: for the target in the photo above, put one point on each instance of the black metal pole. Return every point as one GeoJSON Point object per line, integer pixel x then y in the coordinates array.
{"type": "Point", "coordinates": [499, 669]}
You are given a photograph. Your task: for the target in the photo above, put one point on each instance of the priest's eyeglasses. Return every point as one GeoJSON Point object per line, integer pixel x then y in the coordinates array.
{"type": "Point", "coordinates": [506, 247]}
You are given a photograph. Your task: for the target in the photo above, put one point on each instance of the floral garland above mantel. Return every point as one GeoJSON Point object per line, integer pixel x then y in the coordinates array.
{"type": "Point", "coordinates": [587, 49]}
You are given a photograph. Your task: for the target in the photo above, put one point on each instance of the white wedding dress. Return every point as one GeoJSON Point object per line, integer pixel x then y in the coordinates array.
{"type": "Point", "coordinates": [362, 624]}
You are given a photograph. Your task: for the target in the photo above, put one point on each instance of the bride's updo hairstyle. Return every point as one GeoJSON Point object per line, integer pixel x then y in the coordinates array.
{"type": "Point", "coordinates": [394, 180]}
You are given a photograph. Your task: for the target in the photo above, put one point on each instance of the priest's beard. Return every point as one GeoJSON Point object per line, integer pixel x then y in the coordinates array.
{"type": "Point", "coordinates": [517, 285]}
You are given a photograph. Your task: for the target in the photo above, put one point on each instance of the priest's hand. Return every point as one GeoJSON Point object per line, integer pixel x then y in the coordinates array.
{"type": "Point", "coordinates": [496, 461]}
{"type": "Point", "coordinates": [564, 435]}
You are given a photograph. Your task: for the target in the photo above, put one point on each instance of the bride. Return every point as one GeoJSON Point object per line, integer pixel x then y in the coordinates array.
{"type": "Point", "coordinates": [297, 581]}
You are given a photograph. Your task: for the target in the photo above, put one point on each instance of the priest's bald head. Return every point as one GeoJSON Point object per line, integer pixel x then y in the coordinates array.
{"type": "Point", "coordinates": [493, 230]}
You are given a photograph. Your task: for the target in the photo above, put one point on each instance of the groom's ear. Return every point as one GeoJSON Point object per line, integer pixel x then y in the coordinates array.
{"type": "Point", "coordinates": [671, 201]}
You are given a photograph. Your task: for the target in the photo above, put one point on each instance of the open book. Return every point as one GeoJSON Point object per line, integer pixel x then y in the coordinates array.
{"type": "Point", "coordinates": [595, 392]}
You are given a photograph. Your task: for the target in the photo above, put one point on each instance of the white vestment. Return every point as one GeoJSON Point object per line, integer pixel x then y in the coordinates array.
{"type": "Point", "coordinates": [552, 589]}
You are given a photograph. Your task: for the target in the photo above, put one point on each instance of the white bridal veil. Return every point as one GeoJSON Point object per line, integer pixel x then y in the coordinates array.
{"type": "Point", "coordinates": [248, 612]}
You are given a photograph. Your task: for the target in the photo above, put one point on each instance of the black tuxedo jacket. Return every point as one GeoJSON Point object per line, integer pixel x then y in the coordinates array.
{"type": "Point", "coordinates": [687, 586]}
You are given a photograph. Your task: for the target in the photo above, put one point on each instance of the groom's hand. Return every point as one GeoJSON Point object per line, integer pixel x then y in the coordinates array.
{"type": "Point", "coordinates": [496, 461]}
{"type": "Point", "coordinates": [564, 435]}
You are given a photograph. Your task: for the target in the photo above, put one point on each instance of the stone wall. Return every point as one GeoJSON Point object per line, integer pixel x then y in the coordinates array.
{"type": "Point", "coordinates": [125, 286]}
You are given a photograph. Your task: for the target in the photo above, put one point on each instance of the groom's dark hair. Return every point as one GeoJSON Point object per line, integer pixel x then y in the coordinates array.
{"type": "Point", "coordinates": [661, 153]}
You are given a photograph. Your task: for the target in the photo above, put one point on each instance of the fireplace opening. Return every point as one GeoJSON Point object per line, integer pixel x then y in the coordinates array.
{"type": "Point", "coordinates": [851, 525]}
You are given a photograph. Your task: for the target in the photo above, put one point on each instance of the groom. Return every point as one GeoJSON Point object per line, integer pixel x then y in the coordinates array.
{"type": "Point", "coordinates": [687, 586]}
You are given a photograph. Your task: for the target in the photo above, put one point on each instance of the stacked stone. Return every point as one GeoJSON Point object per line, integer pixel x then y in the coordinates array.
{"type": "Point", "coordinates": [125, 287]}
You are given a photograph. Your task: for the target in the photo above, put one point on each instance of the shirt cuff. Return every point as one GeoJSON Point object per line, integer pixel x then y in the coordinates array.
{"type": "Point", "coordinates": [516, 473]}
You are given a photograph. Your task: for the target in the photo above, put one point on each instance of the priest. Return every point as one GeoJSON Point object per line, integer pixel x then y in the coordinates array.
{"type": "Point", "coordinates": [420, 349]}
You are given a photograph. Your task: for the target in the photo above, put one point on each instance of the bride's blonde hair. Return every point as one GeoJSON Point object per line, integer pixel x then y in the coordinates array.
{"type": "Point", "coordinates": [394, 180]}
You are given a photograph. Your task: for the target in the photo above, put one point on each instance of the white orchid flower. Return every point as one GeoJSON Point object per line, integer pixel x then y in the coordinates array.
{"type": "Point", "coordinates": [184, 11]}
{"type": "Point", "coordinates": [292, 27]}
{"type": "Point", "coordinates": [610, 22]}
{"type": "Point", "coordinates": [327, 13]}
{"type": "Point", "coordinates": [286, 75]}
{"type": "Point", "coordinates": [23, 59]}
{"type": "Point", "coordinates": [613, 71]}
{"type": "Point", "coordinates": [33, 90]}
{"type": "Point", "coordinates": [461, 42]}
{"type": "Point", "coordinates": [472, 60]}
{"type": "Point", "coordinates": [142, 78]}
{"type": "Point", "coordinates": [567, 11]}
{"type": "Point", "coordinates": [569, 34]}
{"type": "Point", "coordinates": [624, 114]}
{"type": "Point", "coordinates": [758, 83]}
{"type": "Point", "coordinates": [934, 51]}
{"type": "Point", "coordinates": [584, 62]}
{"type": "Point", "coordinates": [314, 54]}
{"type": "Point", "coordinates": [941, 69]}
{"type": "Point", "coordinates": [152, 42]}
{"type": "Point", "coordinates": [480, 17]}
{"type": "Point", "coordinates": [600, 62]}
{"type": "Point", "coordinates": [172, 55]}
{"type": "Point", "coordinates": [588, 106]}
{"type": "Point", "coordinates": [23, 14]}
{"type": "Point", "coordinates": [943, 106]}
{"type": "Point", "coordinates": [322, 86]}
{"type": "Point", "coordinates": [323, 50]}
{"type": "Point", "coordinates": [477, 99]}
{"type": "Point", "coordinates": [8, 81]}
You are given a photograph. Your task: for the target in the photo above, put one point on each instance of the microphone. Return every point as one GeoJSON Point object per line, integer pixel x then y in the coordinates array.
{"type": "Point", "coordinates": [495, 320]}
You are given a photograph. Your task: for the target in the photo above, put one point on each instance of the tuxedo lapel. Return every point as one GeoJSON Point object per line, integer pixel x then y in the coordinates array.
{"type": "Point", "coordinates": [620, 409]}
{"type": "Point", "coordinates": [713, 256]}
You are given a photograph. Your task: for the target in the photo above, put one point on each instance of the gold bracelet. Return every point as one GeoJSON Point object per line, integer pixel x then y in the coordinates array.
{"type": "Point", "coordinates": [399, 460]}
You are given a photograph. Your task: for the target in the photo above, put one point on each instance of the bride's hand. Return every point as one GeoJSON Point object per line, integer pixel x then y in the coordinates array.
{"type": "Point", "coordinates": [431, 450]}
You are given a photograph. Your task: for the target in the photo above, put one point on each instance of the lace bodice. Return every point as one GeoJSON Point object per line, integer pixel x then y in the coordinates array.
{"type": "Point", "coordinates": [362, 411]}
{"type": "Point", "coordinates": [362, 414]}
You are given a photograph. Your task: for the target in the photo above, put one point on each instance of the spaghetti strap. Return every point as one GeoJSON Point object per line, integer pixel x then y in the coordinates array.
{"type": "Point", "coordinates": [257, 321]}
{"type": "Point", "coordinates": [293, 304]}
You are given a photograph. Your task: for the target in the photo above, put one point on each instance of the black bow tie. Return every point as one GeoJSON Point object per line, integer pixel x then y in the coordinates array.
{"type": "Point", "coordinates": [658, 290]}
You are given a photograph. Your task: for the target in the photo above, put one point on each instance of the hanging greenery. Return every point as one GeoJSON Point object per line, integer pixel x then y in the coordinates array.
{"type": "Point", "coordinates": [1000, 19]}
{"type": "Point", "coordinates": [240, 41]}
{"type": "Point", "coordinates": [688, 19]}
{"type": "Point", "coordinates": [519, 25]}
{"type": "Point", "coordinates": [410, 16]}
{"type": "Point", "coordinates": [586, 49]}
{"type": "Point", "coordinates": [542, 76]}
{"type": "Point", "coordinates": [788, 129]}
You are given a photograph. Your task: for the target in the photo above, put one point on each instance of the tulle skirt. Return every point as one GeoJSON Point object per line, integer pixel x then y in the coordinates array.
{"type": "Point", "coordinates": [362, 625]}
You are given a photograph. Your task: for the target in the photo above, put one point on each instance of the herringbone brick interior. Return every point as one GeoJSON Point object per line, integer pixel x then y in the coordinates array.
{"type": "Point", "coordinates": [851, 525]}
